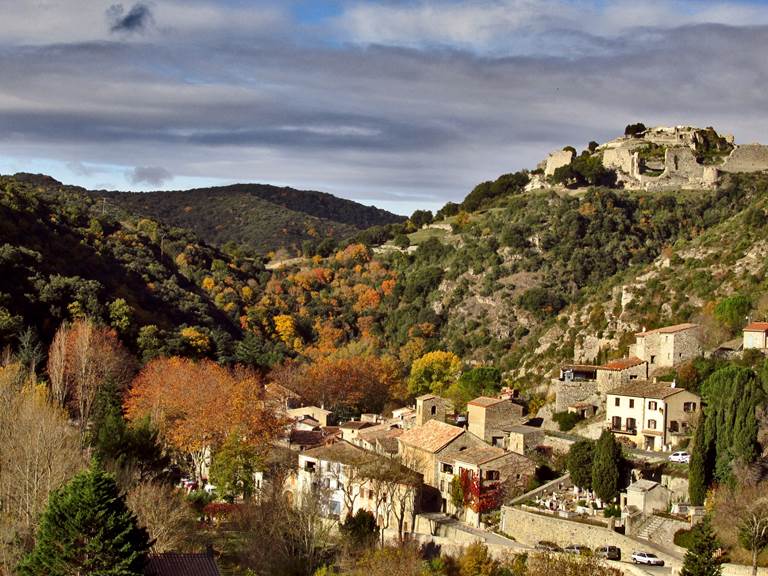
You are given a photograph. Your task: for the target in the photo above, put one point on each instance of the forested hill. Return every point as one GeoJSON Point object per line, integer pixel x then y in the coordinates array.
{"type": "Point", "coordinates": [265, 218]}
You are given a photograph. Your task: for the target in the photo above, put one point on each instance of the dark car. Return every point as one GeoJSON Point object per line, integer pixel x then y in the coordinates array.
{"type": "Point", "coordinates": [577, 549]}
{"type": "Point", "coordinates": [608, 552]}
{"type": "Point", "coordinates": [547, 546]}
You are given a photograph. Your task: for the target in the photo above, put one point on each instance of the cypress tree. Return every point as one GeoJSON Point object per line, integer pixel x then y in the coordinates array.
{"type": "Point", "coordinates": [606, 467]}
{"type": "Point", "coordinates": [698, 470]}
{"type": "Point", "coordinates": [579, 463]}
{"type": "Point", "coordinates": [700, 559]}
{"type": "Point", "coordinates": [87, 529]}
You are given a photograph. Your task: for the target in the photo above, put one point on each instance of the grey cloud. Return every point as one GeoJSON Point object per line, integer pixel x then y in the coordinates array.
{"type": "Point", "coordinates": [136, 19]}
{"type": "Point", "coordinates": [152, 175]}
{"type": "Point", "coordinates": [375, 123]}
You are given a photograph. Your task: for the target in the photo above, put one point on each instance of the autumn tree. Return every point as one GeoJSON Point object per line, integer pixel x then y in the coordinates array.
{"type": "Point", "coordinates": [434, 373]}
{"type": "Point", "coordinates": [82, 359]}
{"type": "Point", "coordinates": [744, 509]}
{"type": "Point", "coordinates": [164, 512]}
{"type": "Point", "coordinates": [39, 451]}
{"type": "Point", "coordinates": [196, 405]}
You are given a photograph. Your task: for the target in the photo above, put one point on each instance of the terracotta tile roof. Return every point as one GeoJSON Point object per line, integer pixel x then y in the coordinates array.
{"type": "Point", "coordinates": [484, 401]}
{"type": "Point", "coordinates": [380, 431]}
{"type": "Point", "coordinates": [174, 564]}
{"type": "Point", "coordinates": [669, 329]}
{"type": "Point", "coordinates": [307, 437]}
{"type": "Point", "coordinates": [355, 425]}
{"type": "Point", "coordinates": [475, 455]}
{"type": "Point", "coordinates": [341, 451]}
{"type": "Point", "coordinates": [278, 390]}
{"type": "Point", "coordinates": [646, 389]}
{"type": "Point", "coordinates": [432, 436]}
{"type": "Point", "coordinates": [622, 364]}
{"type": "Point", "coordinates": [756, 327]}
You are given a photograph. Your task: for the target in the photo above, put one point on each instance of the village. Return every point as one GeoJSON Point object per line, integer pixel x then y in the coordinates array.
{"type": "Point", "coordinates": [431, 475]}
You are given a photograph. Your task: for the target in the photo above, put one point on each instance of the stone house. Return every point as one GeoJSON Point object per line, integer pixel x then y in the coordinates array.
{"type": "Point", "coordinates": [576, 383]}
{"type": "Point", "coordinates": [420, 448]}
{"type": "Point", "coordinates": [756, 336]}
{"type": "Point", "coordinates": [618, 372]}
{"type": "Point", "coordinates": [322, 416]}
{"type": "Point", "coordinates": [336, 476]}
{"type": "Point", "coordinates": [431, 407]}
{"type": "Point", "coordinates": [523, 439]}
{"type": "Point", "coordinates": [491, 418]}
{"type": "Point", "coordinates": [653, 415]}
{"type": "Point", "coordinates": [381, 438]}
{"type": "Point", "coordinates": [647, 497]}
{"type": "Point", "coordinates": [668, 346]}
{"type": "Point", "coordinates": [350, 430]}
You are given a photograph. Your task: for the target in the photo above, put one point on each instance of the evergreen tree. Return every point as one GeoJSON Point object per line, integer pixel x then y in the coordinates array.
{"type": "Point", "coordinates": [88, 529]}
{"type": "Point", "coordinates": [700, 559]}
{"type": "Point", "coordinates": [698, 470]}
{"type": "Point", "coordinates": [579, 463]}
{"type": "Point", "coordinates": [606, 467]}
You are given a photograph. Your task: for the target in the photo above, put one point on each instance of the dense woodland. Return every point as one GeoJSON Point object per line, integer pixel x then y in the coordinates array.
{"type": "Point", "coordinates": [256, 216]}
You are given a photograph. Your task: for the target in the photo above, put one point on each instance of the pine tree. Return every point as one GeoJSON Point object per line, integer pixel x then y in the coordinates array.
{"type": "Point", "coordinates": [700, 559]}
{"type": "Point", "coordinates": [606, 467]}
{"type": "Point", "coordinates": [87, 529]}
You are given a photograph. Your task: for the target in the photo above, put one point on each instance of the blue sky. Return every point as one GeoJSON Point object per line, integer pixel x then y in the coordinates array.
{"type": "Point", "coordinates": [401, 104]}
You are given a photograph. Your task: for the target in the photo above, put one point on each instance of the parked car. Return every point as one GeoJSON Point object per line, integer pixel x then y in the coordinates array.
{"type": "Point", "coordinates": [548, 546]}
{"type": "Point", "coordinates": [608, 552]}
{"type": "Point", "coordinates": [647, 558]}
{"type": "Point", "coordinates": [682, 457]}
{"type": "Point", "coordinates": [577, 549]}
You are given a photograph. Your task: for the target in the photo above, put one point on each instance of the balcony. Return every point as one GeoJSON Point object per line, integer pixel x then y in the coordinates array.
{"type": "Point", "coordinates": [632, 431]}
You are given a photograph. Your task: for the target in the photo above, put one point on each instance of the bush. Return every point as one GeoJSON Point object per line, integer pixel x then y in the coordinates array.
{"type": "Point", "coordinates": [684, 538]}
{"type": "Point", "coordinates": [566, 420]}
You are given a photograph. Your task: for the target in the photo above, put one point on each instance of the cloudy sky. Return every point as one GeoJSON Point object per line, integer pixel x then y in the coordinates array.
{"type": "Point", "coordinates": [401, 104]}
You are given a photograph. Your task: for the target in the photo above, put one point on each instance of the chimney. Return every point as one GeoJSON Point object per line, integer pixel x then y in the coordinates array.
{"type": "Point", "coordinates": [674, 384]}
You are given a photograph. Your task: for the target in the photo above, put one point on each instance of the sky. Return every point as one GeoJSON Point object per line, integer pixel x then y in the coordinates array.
{"type": "Point", "coordinates": [401, 104]}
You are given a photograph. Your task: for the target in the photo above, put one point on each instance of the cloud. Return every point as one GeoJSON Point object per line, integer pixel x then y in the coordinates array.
{"type": "Point", "coordinates": [137, 19]}
{"type": "Point", "coordinates": [152, 175]}
{"type": "Point", "coordinates": [410, 112]}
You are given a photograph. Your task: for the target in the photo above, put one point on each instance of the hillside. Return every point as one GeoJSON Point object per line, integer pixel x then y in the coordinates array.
{"type": "Point", "coordinates": [264, 218]}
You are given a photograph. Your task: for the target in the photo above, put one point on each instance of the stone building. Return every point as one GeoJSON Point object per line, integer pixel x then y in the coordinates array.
{"type": "Point", "coordinates": [647, 497]}
{"type": "Point", "coordinates": [523, 439]}
{"type": "Point", "coordinates": [557, 159]}
{"type": "Point", "coordinates": [576, 383]}
{"type": "Point", "coordinates": [653, 415]}
{"type": "Point", "coordinates": [431, 407]}
{"type": "Point", "coordinates": [668, 346]}
{"type": "Point", "coordinates": [618, 372]}
{"type": "Point", "coordinates": [756, 336]}
{"type": "Point", "coordinates": [322, 416]}
{"type": "Point", "coordinates": [491, 418]}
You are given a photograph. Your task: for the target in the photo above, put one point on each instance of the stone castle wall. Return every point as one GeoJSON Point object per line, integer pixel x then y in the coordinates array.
{"type": "Point", "coordinates": [556, 160]}
{"type": "Point", "coordinates": [746, 158]}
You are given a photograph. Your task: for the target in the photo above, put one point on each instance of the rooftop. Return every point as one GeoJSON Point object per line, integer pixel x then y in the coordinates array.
{"type": "Point", "coordinates": [622, 364]}
{"type": "Point", "coordinates": [579, 367]}
{"type": "Point", "coordinates": [355, 425]}
{"type": "Point", "coordinates": [175, 564]}
{"type": "Point", "coordinates": [307, 410]}
{"type": "Point", "coordinates": [426, 397]}
{"type": "Point", "coordinates": [432, 436]}
{"type": "Point", "coordinates": [484, 401]}
{"type": "Point", "coordinates": [307, 437]}
{"type": "Point", "coordinates": [642, 485]}
{"type": "Point", "coordinates": [756, 327]}
{"type": "Point", "coordinates": [646, 389]}
{"type": "Point", "coordinates": [524, 430]}
{"type": "Point", "coordinates": [341, 451]}
{"type": "Point", "coordinates": [669, 329]}
{"type": "Point", "coordinates": [476, 455]}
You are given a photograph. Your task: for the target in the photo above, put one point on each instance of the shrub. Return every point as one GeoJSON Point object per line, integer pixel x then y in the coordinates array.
{"type": "Point", "coordinates": [566, 420]}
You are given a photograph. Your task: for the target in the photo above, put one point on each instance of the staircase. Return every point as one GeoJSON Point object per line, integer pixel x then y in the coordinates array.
{"type": "Point", "coordinates": [650, 527]}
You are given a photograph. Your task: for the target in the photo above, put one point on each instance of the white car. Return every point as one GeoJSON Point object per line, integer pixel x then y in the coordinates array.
{"type": "Point", "coordinates": [647, 558]}
{"type": "Point", "coordinates": [682, 457]}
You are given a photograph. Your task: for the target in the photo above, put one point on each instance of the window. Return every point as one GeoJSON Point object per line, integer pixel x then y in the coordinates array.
{"type": "Point", "coordinates": [631, 424]}
{"type": "Point", "coordinates": [631, 402]}
{"type": "Point", "coordinates": [673, 426]}
{"type": "Point", "coordinates": [309, 466]}
{"type": "Point", "coordinates": [616, 422]}
{"type": "Point", "coordinates": [652, 405]}
{"type": "Point", "coordinates": [492, 475]}
{"type": "Point", "coordinates": [633, 376]}
{"type": "Point", "coordinates": [617, 402]}
{"type": "Point", "coordinates": [651, 424]}
{"type": "Point", "coordinates": [653, 359]}
{"type": "Point", "coordinates": [497, 441]}
{"type": "Point", "coordinates": [434, 410]}
{"type": "Point", "coordinates": [689, 406]}
{"type": "Point", "coordinates": [447, 468]}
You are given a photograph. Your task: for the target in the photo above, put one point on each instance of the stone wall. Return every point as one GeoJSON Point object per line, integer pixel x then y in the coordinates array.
{"type": "Point", "coordinates": [618, 159]}
{"type": "Point", "coordinates": [529, 528]}
{"type": "Point", "coordinates": [746, 158]}
{"type": "Point", "coordinates": [567, 393]}
{"type": "Point", "coordinates": [607, 380]}
{"type": "Point", "coordinates": [556, 160]}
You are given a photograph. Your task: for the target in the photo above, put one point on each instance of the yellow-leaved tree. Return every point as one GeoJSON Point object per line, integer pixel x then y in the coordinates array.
{"type": "Point", "coordinates": [434, 372]}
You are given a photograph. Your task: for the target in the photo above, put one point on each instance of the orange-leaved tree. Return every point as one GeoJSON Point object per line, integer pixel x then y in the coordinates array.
{"type": "Point", "coordinates": [196, 405]}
